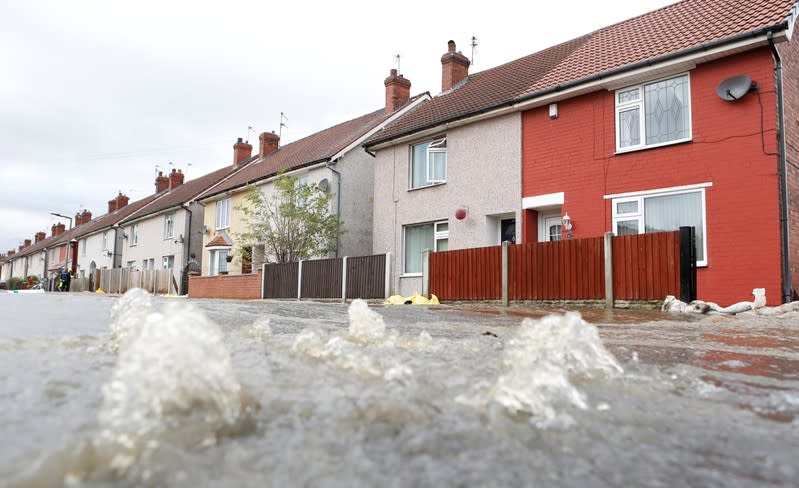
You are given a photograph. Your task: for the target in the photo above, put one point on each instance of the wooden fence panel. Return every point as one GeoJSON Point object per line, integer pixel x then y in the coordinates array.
{"type": "Point", "coordinates": [366, 276]}
{"type": "Point", "coordinates": [646, 266]}
{"type": "Point", "coordinates": [321, 278]}
{"type": "Point", "coordinates": [466, 274]}
{"type": "Point", "coordinates": [560, 270]}
{"type": "Point", "coordinates": [280, 280]}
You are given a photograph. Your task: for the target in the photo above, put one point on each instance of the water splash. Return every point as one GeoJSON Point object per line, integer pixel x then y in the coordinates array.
{"type": "Point", "coordinates": [361, 348]}
{"type": "Point", "coordinates": [173, 387]}
{"type": "Point", "coordinates": [540, 363]}
{"type": "Point", "coordinates": [260, 330]}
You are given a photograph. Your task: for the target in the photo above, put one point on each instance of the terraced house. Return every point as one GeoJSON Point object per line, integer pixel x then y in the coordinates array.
{"type": "Point", "coordinates": [331, 158]}
{"type": "Point", "coordinates": [685, 116]}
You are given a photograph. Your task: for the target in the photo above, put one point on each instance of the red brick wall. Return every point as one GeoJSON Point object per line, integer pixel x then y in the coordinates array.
{"type": "Point", "coordinates": [789, 51]}
{"type": "Point", "coordinates": [244, 287]}
{"type": "Point", "coordinates": [575, 154]}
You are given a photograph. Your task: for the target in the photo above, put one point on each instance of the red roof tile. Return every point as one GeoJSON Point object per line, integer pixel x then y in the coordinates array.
{"type": "Point", "coordinates": [219, 241]}
{"type": "Point", "coordinates": [666, 31]}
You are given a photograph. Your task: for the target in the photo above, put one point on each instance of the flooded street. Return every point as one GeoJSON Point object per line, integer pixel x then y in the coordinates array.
{"type": "Point", "coordinates": [147, 391]}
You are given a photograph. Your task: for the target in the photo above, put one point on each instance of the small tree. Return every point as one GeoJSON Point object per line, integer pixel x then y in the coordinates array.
{"type": "Point", "coordinates": [293, 223]}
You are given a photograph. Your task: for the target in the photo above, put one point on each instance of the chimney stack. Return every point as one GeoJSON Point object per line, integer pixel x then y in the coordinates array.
{"type": "Point", "coordinates": [454, 67]}
{"type": "Point", "coordinates": [85, 216]}
{"type": "Point", "coordinates": [175, 179]}
{"type": "Point", "coordinates": [241, 151]}
{"type": "Point", "coordinates": [27, 243]}
{"type": "Point", "coordinates": [58, 228]}
{"type": "Point", "coordinates": [40, 236]}
{"type": "Point", "coordinates": [21, 247]}
{"type": "Point", "coordinates": [398, 91]}
{"type": "Point", "coordinates": [122, 200]}
{"type": "Point", "coordinates": [269, 143]}
{"type": "Point", "coordinates": [78, 220]}
{"type": "Point", "coordinates": [161, 182]}
{"type": "Point", "coordinates": [11, 252]}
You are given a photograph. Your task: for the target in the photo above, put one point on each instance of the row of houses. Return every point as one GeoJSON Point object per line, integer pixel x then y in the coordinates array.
{"type": "Point", "coordinates": [686, 115]}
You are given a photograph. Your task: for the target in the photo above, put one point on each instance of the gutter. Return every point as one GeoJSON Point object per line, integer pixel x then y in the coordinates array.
{"type": "Point", "coordinates": [785, 270]}
{"type": "Point", "coordinates": [524, 101]}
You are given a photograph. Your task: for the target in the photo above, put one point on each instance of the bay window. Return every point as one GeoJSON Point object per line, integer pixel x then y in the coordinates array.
{"type": "Point", "coordinates": [218, 263]}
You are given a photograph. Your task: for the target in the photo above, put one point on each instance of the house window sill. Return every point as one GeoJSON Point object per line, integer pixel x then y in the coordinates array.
{"type": "Point", "coordinates": [427, 186]}
{"type": "Point", "coordinates": [411, 275]}
{"type": "Point", "coordinates": [651, 146]}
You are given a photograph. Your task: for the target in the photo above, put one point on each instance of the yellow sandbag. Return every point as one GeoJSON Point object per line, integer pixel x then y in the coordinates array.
{"type": "Point", "coordinates": [99, 290]}
{"type": "Point", "coordinates": [415, 299]}
{"type": "Point", "coordinates": [395, 300]}
{"type": "Point", "coordinates": [434, 300]}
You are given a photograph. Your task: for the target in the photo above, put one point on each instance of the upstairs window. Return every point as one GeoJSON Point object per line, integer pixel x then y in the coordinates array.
{"type": "Point", "coordinates": [169, 225]}
{"type": "Point", "coordinates": [429, 163]}
{"type": "Point", "coordinates": [134, 234]}
{"type": "Point", "coordinates": [653, 114]}
{"type": "Point", "coordinates": [223, 214]}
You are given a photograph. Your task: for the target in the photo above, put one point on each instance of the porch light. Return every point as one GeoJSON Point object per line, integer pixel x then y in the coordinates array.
{"type": "Point", "coordinates": [567, 222]}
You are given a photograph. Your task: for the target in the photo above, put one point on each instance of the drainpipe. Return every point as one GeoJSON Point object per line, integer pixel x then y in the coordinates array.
{"type": "Point", "coordinates": [783, 176]}
{"type": "Point", "coordinates": [186, 248]}
{"type": "Point", "coordinates": [338, 204]}
{"type": "Point", "coordinates": [117, 243]}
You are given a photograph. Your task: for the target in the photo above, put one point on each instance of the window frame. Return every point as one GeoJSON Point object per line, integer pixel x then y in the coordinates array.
{"type": "Point", "coordinates": [169, 225]}
{"type": "Point", "coordinates": [134, 235]}
{"type": "Point", "coordinates": [438, 237]}
{"type": "Point", "coordinates": [213, 262]}
{"type": "Point", "coordinates": [433, 147]}
{"type": "Point", "coordinates": [224, 205]}
{"type": "Point", "coordinates": [638, 215]}
{"type": "Point", "coordinates": [641, 105]}
{"type": "Point", "coordinates": [165, 260]}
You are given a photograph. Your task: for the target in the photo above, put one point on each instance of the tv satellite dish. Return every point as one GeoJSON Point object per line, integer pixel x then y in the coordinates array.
{"type": "Point", "coordinates": [734, 88]}
{"type": "Point", "coordinates": [323, 185]}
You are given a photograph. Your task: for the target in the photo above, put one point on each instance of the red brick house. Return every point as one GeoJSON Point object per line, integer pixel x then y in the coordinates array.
{"type": "Point", "coordinates": [622, 130]}
{"type": "Point", "coordinates": [628, 134]}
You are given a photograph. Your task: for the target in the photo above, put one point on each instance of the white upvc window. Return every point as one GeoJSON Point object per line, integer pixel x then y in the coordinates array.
{"type": "Point", "coordinates": [429, 163]}
{"type": "Point", "coordinates": [134, 235]}
{"type": "Point", "coordinates": [168, 262]}
{"type": "Point", "coordinates": [663, 211]}
{"type": "Point", "coordinates": [169, 225]}
{"type": "Point", "coordinates": [223, 214]}
{"type": "Point", "coordinates": [653, 114]}
{"type": "Point", "coordinates": [420, 238]}
{"type": "Point", "coordinates": [105, 241]}
{"type": "Point", "coordinates": [218, 262]}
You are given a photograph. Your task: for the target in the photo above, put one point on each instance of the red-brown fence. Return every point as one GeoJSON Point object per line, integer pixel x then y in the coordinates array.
{"type": "Point", "coordinates": [561, 270]}
{"type": "Point", "coordinates": [645, 267]}
{"type": "Point", "coordinates": [467, 274]}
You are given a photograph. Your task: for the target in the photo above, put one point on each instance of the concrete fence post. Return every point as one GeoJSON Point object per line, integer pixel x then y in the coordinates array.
{"type": "Point", "coordinates": [299, 279]}
{"type": "Point", "coordinates": [426, 272]}
{"type": "Point", "coordinates": [504, 284]}
{"type": "Point", "coordinates": [344, 279]}
{"type": "Point", "coordinates": [389, 265]}
{"type": "Point", "coordinates": [609, 270]}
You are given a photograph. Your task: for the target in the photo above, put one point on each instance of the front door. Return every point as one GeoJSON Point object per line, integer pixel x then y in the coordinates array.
{"type": "Point", "coordinates": [552, 229]}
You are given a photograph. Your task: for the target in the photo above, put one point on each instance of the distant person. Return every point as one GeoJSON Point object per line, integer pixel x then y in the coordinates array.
{"type": "Point", "coordinates": [65, 279]}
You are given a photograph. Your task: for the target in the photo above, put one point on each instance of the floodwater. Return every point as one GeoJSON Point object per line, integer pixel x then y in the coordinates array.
{"type": "Point", "coordinates": [147, 391]}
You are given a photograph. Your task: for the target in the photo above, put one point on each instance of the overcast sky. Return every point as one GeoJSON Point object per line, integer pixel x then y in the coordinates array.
{"type": "Point", "coordinates": [95, 94]}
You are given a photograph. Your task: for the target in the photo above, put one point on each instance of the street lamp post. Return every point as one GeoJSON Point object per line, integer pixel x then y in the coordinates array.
{"type": "Point", "coordinates": [69, 243]}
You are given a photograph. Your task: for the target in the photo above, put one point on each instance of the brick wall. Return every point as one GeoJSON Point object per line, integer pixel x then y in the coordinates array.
{"type": "Point", "coordinates": [789, 52]}
{"type": "Point", "coordinates": [575, 154]}
{"type": "Point", "coordinates": [243, 287]}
